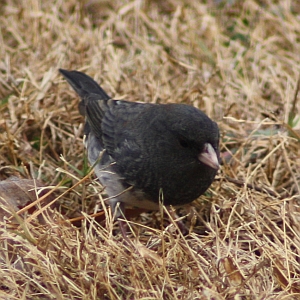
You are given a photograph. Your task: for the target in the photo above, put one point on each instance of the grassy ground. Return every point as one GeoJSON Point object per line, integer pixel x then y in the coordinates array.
{"type": "Point", "coordinates": [236, 60]}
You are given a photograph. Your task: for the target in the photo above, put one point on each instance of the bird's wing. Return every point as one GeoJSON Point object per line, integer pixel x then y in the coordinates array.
{"type": "Point", "coordinates": [116, 124]}
{"type": "Point", "coordinates": [119, 125]}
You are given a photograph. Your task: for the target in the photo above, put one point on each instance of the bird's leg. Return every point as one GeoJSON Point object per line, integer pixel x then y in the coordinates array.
{"type": "Point", "coordinates": [119, 215]}
{"type": "Point", "coordinates": [123, 227]}
{"type": "Point", "coordinates": [184, 230]}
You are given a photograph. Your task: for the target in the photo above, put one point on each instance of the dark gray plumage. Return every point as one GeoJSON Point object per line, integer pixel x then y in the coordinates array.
{"type": "Point", "coordinates": [172, 149]}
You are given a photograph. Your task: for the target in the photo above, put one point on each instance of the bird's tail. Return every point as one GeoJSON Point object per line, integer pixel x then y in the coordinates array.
{"type": "Point", "coordinates": [83, 84]}
{"type": "Point", "coordinates": [85, 87]}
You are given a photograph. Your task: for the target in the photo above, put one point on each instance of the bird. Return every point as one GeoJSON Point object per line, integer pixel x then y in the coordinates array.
{"type": "Point", "coordinates": [146, 153]}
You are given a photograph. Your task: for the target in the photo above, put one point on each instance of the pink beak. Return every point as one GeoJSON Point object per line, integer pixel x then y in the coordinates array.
{"type": "Point", "coordinates": [209, 156]}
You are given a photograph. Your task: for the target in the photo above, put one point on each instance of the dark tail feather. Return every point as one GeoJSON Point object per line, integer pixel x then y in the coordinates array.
{"type": "Point", "coordinates": [83, 84]}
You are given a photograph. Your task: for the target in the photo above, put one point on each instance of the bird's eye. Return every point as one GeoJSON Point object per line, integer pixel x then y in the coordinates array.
{"type": "Point", "coordinates": [183, 143]}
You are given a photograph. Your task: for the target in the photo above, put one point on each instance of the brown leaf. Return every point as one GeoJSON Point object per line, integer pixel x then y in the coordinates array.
{"type": "Point", "coordinates": [232, 271]}
{"type": "Point", "coordinates": [147, 253]}
{"type": "Point", "coordinates": [16, 193]}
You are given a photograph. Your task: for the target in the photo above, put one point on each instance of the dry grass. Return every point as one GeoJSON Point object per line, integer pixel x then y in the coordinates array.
{"type": "Point", "coordinates": [236, 60]}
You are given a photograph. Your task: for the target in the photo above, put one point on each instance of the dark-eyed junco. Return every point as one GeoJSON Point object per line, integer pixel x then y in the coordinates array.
{"type": "Point", "coordinates": [148, 151]}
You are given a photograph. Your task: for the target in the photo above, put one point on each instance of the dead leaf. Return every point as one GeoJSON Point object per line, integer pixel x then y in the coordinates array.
{"type": "Point", "coordinates": [147, 253]}
{"type": "Point", "coordinates": [17, 193]}
{"type": "Point", "coordinates": [233, 274]}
